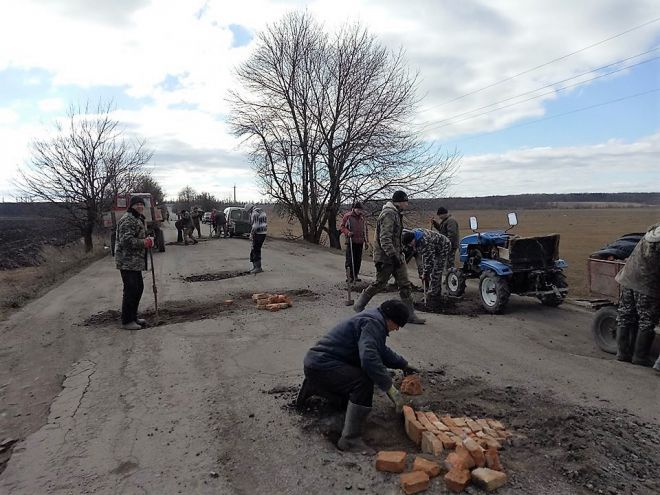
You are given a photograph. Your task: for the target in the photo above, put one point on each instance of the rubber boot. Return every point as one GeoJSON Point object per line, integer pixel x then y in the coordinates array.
{"type": "Point", "coordinates": [257, 268]}
{"type": "Point", "coordinates": [412, 316]}
{"type": "Point", "coordinates": [305, 393]}
{"type": "Point", "coordinates": [361, 302]}
{"type": "Point", "coordinates": [351, 435]}
{"type": "Point", "coordinates": [643, 345]}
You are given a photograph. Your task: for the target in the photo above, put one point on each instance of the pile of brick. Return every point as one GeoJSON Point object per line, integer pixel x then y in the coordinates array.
{"type": "Point", "coordinates": [473, 446]}
{"type": "Point", "coordinates": [272, 302]}
{"type": "Point", "coordinates": [417, 479]}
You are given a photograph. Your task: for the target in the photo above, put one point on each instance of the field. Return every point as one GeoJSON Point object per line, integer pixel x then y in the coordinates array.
{"type": "Point", "coordinates": [582, 231]}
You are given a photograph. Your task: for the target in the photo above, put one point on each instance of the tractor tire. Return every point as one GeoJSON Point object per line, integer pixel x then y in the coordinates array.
{"type": "Point", "coordinates": [455, 281]}
{"type": "Point", "coordinates": [494, 292]}
{"type": "Point", "coordinates": [160, 240]}
{"type": "Point", "coordinates": [603, 329]}
{"type": "Point", "coordinates": [553, 300]}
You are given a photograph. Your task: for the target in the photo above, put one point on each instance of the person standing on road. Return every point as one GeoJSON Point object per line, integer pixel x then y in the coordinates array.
{"type": "Point", "coordinates": [431, 250]}
{"type": "Point", "coordinates": [130, 257]}
{"type": "Point", "coordinates": [448, 227]}
{"type": "Point", "coordinates": [196, 216]}
{"type": "Point", "coordinates": [639, 305]}
{"type": "Point", "coordinates": [257, 235]}
{"type": "Point", "coordinates": [188, 227]}
{"type": "Point", "coordinates": [221, 223]}
{"type": "Point", "coordinates": [214, 228]}
{"type": "Point", "coordinates": [354, 227]}
{"type": "Point", "coordinates": [349, 360]}
{"type": "Point", "coordinates": [388, 257]}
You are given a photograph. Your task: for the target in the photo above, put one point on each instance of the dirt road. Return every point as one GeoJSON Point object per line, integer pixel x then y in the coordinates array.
{"type": "Point", "coordinates": [202, 404]}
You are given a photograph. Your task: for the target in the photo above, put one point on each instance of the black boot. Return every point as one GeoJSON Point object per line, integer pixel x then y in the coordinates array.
{"type": "Point", "coordinates": [305, 393]}
{"type": "Point", "coordinates": [412, 317]}
{"type": "Point", "coordinates": [351, 435]}
{"type": "Point", "coordinates": [362, 302]}
{"type": "Point", "coordinates": [643, 345]}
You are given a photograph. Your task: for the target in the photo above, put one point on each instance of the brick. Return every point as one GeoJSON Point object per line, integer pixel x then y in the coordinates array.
{"type": "Point", "coordinates": [449, 423]}
{"type": "Point", "coordinates": [488, 479]}
{"type": "Point", "coordinates": [483, 423]}
{"type": "Point", "coordinates": [431, 468]}
{"type": "Point", "coordinates": [495, 424]}
{"type": "Point", "coordinates": [492, 442]}
{"type": "Point", "coordinates": [493, 460]}
{"type": "Point", "coordinates": [414, 482]}
{"type": "Point", "coordinates": [460, 422]}
{"type": "Point", "coordinates": [411, 385]}
{"type": "Point", "coordinates": [391, 461]}
{"type": "Point", "coordinates": [457, 480]}
{"type": "Point", "coordinates": [258, 296]}
{"type": "Point", "coordinates": [288, 300]}
{"type": "Point", "coordinates": [468, 460]}
{"type": "Point", "coordinates": [272, 307]}
{"type": "Point", "coordinates": [282, 305]}
{"type": "Point", "coordinates": [431, 444]}
{"type": "Point", "coordinates": [436, 422]}
{"type": "Point", "coordinates": [455, 461]}
{"type": "Point", "coordinates": [473, 425]}
{"type": "Point", "coordinates": [409, 413]}
{"type": "Point", "coordinates": [480, 434]}
{"type": "Point", "coordinates": [447, 441]}
{"type": "Point", "coordinates": [414, 428]}
{"type": "Point", "coordinates": [490, 431]}
{"type": "Point", "coordinates": [422, 418]}
{"type": "Point", "coordinates": [458, 432]}
{"type": "Point", "coordinates": [475, 451]}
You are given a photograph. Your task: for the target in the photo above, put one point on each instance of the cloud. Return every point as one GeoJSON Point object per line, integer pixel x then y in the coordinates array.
{"type": "Point", "coordinates": [612, 166]}
{"type": "Point", "coordinates": [51, 104]}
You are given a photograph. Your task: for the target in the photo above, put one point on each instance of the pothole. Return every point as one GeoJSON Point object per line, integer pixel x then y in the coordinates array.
{"type": "Point", "coordinates": [447, 306]}
{"type": "Point", "coordinates": [211, 277]}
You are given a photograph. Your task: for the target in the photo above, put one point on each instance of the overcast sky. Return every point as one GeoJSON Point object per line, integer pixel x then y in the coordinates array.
{"type": "Point", "coordinates": [491, 85]}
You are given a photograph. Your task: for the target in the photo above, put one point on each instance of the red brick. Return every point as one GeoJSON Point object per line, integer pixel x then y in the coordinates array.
{"type": "Point", "coordinates": [391, 461]}
{"type": "Point", "coordinates": [282, 305]}
{"type": "Point", "coordinates": [493, 459]}
{"type": "Point", "coordinates": [492, 442]}
{"type": "Point", "coordinates": [475, 451]}
{"type": "Point", "coordinates": [414, 428]}
{"type": "Point", "coordinates": [422, 418]}
{"type": "Point", "coordinates": [414, 482]}
{"type": "Point", "coordinates": [447, 441]}
{"type": "Point", "coordinates": [431, 444]}
{"type": "Point", "coordinates": [468, 460]}
{"type": "Point", "coordinates": [431, 468]}
{"type": "Point", "coordinates": [473, 425]}
{"type": "Point", "coordinates": [455, 461]}
{"type": "Point", "coordinates": [411, 385]}
{"type": "Point", "coordinates": [457, 480]}
{"type": "Point", "coordinates": [449, 423]}
{"type": "Point", "coordinates": [458, 432]}
{"type": "Point", "coordinates": [483, 423]}
{"type": "Point", "coordinates": [495, 424]}
{"type": "Point", "coordinates": [488, 479]}
{"type": "Point", "coordinates": [460, 422]}
{"type": "Point", "coordinates": [409, 413]}
{"type": "Point", "coordinates": [272, 307]}
{"type": "Point", "coordinates": [436, 422]}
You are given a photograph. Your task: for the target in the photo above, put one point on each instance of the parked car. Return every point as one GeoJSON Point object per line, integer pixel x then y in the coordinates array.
{"type": "Point", "coordinates": [206, 218]}
{"type": "Point", "coordinates": [238, 221]}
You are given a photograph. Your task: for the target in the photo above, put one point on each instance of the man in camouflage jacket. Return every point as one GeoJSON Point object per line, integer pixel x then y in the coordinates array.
{"type": "Point", "coordinates": [449, 228]}
{"type": "Point", "coordinates": [130, 258]}
{"type": "Point", "coordinates": [196, 216]}
{"type": "Point", "coordinates": [639, 305]}
{"type": "Point", "coordinates": [431, 250]}
{"type": "Point", "coordinates": [388, 256]}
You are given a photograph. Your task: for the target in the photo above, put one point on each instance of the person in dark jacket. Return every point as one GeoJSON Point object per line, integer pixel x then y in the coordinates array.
{"type": "Point", "coordinates": [130, 259]}
{"type": "Point", "coordinates": [639, 306]}
{"type": "Point", "coordinates": [448, 227]}
{"type": "Point", "coordinates": [350, 359]}
{"type": "Point", "coordinates": [196, 216]}
{"type": "Point", "coordinates": [354, 227]}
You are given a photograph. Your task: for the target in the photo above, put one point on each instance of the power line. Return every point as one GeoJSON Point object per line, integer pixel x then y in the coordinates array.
{"type": "Point", "coordinates": [546, 63]}
{"type": "Point", "coordinates": [577, 110]}
{"type": "Point", "coordinates": [450, 121]}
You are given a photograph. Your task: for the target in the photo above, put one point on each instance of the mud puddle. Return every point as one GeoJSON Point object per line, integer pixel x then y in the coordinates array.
{"type": "Point", "coordinates": [561, 447]}
{"type": "Point", "coordinates": [212, 277]}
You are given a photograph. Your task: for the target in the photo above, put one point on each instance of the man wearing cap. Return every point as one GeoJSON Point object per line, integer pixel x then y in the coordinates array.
{"type": "Point", "coordinates": [349, 360]}
{"type": "Point", "coordinates": [130, 259]}
{"type": "Point", "coordinates": [639, 305]}
{"type": "Point", "coordinates": [257, 235]}
{"type": "Point", "coordinates": [431, 251]}
{"type": "Point", "coordinates": [354, 227]}
{"type": "Point", "coordinates": [388, 257]}
{"type": "Point", "coordinates": [196, 216]}
{"type": "Point", "coordinates": [448, 227]}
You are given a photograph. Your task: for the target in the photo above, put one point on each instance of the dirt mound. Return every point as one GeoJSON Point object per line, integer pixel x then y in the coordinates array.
{"type": "Point", "coordinates": [555, 444]}
{"type": "Point", "coordinates": [212, 277]}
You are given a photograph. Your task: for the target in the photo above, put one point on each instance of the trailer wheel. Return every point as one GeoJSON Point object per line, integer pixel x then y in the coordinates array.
{"type": "Point", "coordinates": [603, 328]}
{"type": "Point", "coordinates": [494, 292]}
{"type": "Point", "coordinates": [455, 281]}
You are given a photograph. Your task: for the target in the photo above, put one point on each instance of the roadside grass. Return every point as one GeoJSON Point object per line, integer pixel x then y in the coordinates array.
{"type": "Point", "coordinates": [582, 230]}
{"type": "Point", "coordinates": [21, 285]}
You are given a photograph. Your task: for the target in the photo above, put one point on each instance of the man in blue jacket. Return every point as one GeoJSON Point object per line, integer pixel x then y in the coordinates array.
{"type": "Point", "coordinates": [350, 359]}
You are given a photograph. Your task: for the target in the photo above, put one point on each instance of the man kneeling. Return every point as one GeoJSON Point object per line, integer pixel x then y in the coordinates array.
{"type": "Point", "coordinates": [350, 359]}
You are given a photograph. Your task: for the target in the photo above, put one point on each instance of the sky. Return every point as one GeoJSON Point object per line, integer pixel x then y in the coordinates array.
{"type": "Point", "coordinates": [536, 96]}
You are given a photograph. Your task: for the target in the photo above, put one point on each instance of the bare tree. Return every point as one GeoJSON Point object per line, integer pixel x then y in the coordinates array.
{"type": "Point", "coordinates": [81, 167]}
{"type": "Point", "coordinates": [329, 119]}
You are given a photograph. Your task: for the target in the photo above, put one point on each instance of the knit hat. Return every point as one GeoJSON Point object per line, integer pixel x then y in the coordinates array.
{"type": "Point", "coordinates": [395, 310]}
{"type": "Point", "coordinates": [135, 200]}
{"type": "Point", "coordinates": [407, 237]}
{"type": "Point", "coordinates": [399, 197]}
{"type": "Point", "coordinates": [442, 211]}
{"type": "Point", "coordinates": [357, 204]}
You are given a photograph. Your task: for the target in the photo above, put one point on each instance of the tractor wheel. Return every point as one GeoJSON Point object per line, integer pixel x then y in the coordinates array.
{"type": "Point", "coordinates": [603, 328]}
{"type": "Point", "coordinates": [494, 292]}
{"type": "Point", "coordinates": [455, 281]}
{"type": "Point", "coordinates": [555, 300]}
{"type": "Point", "coordinates": [160, 240]}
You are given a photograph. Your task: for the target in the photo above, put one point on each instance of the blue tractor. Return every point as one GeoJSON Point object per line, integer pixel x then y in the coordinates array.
{"type": "Point", "coordinates": [507, 264]}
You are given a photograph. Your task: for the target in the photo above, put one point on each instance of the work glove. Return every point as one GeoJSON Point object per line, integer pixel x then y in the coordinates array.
{"type": "Point", "coordinates": [148, 242]}
{"type": "Point", "coordinates": [410, 370]}
{"type": "Point", "coordinates": [396, 261]}
{"type": "Point", "coordinates": [396, 398]}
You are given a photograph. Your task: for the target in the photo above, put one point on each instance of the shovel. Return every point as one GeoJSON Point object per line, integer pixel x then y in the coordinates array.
{"type": "Point", "coordinates": [153, 285]}
{"type": "Point", "coordinates": [349, 299]}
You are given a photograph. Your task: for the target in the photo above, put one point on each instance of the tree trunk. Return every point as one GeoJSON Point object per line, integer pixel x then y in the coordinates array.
{"type": "Point", "coordinates": [87, 236]}
{"type": "Point", "coordinates": [333, 232]}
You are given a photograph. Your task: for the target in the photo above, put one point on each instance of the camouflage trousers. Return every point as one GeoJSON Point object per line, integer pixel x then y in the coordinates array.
{"type": "Point", "coordinates": [383, 273]}
{"type": "Point", "coordinates": [636, 319]}
{"type": "Point", "coordinates": [435, 277]}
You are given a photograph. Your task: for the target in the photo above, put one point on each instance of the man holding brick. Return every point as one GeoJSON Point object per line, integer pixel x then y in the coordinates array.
{"type": "Point", "coordinates": [349, 360]}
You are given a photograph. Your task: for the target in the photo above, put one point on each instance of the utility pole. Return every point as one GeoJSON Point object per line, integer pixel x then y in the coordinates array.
{"type": "Point", "coordinates": [234, 193]}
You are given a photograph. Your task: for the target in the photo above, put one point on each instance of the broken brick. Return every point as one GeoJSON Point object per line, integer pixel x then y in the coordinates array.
{"type": "Point", "coordinates": [457, 480]}
{"type": "Point", "coordinates": [414, 482]}
{"type": "Point", "coordinates": [475, 451]}
{"type": "Point", "coordinates": [391, 461]}
{"type": "Point", "coordinates": [488, 479]}
{"type": "Point", "coordinates": [493, 459]}
{"type": "Point", "coordinates": [447, 441]}
{"type": "Point", "coordinates": [431, 444]}
{"type": "Point", "coordinates": [463, 452]}
{"type": "Point", "coordinates": [431, 468]}
{"type": "Point", "coordinates": [459, 460]}
{"type": "Point", "coordinates": [411, 385]}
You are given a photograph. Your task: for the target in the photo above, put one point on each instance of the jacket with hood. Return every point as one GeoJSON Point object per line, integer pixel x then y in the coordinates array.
{"type": "Point", "coordinates": [388, 234]}
{"type": "Point", "coordinates": [129, 245]}
{"type": "Point", "coordinates": [641, 272]}
{"type": "Point", "coordinates": [360, 342]}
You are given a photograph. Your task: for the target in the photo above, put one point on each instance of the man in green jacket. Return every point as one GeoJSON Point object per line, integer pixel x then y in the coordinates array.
{"type": "Point", "coordinates": [130, 259]}
{"type": "Point", "coordinates": [388, 257]}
